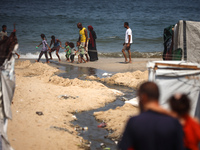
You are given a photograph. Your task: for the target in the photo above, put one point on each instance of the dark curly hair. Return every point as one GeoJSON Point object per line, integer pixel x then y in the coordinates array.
{"type": "Point", "coordinates": [71, 45]}
{"type": "Point", "coordinates": [180, 103]}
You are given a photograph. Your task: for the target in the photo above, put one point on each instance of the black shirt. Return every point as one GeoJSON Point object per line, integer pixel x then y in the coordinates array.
{"type": "Point", "coordinates": [152, 131]}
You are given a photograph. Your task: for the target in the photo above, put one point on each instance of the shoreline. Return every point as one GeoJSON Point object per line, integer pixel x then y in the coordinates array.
{"type": "Point", "coordinates": [114, 65]}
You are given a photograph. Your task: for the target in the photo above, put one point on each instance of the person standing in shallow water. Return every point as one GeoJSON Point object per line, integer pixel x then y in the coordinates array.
{"type": "Point", "coordinates": [92, 50]}
{"type": "Point", "coordinates": [56, 46]}
{"type": "Point", "coordinates": [83, 37]}
{"type": "Point", "coordinates": [128, 42]}
{"type": "Point", "coordinates": [44, 50]}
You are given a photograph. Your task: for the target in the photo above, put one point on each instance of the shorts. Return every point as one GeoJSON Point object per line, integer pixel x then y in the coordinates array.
{"type": "Point", "coordinates": [67, 55]}
{"type": "Point", "coordinates": [72, 57]}
{"type": "Point", "coordinates": [83, 44]}
{"type": "Point", "coordinates": [81, 55]}
{"type": "Point", "coordinates": [57, 48]}
{"type": "Point", "coordinates": [126, 47]}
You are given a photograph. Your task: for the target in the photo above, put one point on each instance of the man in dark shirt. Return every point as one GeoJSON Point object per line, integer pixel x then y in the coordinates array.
{"type": "Point", "coordinates": [151, 130]}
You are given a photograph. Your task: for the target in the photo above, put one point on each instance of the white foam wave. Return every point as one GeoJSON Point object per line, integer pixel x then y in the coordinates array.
{"type": "Point", "coordinates": [36, 55]}
{"type": "Point", "coordinates": [112, 37]}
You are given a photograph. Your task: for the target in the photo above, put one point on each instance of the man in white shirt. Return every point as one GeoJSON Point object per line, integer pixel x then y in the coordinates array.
{"type": "Point", "coordinates": [128, 42]}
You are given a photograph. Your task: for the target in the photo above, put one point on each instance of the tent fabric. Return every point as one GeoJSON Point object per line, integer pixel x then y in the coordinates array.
{"type": "Point", "coordinates": [187, 37]}
{"type": "Point", "coordinates": [7, 87]}
{"type": "Point", "coordinates": [177, 80]}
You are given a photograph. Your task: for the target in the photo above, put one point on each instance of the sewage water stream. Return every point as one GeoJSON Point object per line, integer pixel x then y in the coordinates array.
{"type": "Point", "coordinates": [97, 135]}
{"type": "Point", "coordinates": [86, 119]}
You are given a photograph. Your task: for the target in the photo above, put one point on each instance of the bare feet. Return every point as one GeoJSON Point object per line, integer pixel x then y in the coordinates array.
{"type": "Point", "coordinates": [36, 61]}
{"type": "Point", "coordinates": [126, 61]}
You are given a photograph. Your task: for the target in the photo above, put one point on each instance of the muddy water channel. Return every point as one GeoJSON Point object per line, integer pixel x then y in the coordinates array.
{"type": "Point", "coordinates": [95, 135]}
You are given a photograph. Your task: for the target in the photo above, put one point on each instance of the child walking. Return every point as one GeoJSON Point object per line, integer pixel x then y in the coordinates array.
{"type": "Point", "coordinates": [56, 46]}
{"type": "Point", "coordinates": [81, 49]}
{"type": "Point", "coordinates": [73, 51]}
{"type": "Point", "coordinates": [44, 48]}
{"type": "Point", "coordinates": [68, 51]}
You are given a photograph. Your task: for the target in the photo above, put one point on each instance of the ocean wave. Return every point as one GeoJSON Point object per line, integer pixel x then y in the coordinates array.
{"type": "Point", "coordinates": [157, 39]}
{"type": "Point", "coordinates": [113, 37]}
{"type": "Point", "coordinates": [134, 54]}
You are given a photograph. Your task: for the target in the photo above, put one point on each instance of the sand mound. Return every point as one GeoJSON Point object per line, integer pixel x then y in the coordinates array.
{"type": "Point", "coordinates": [28, 69]}
{"type": "Point", "coordinates": [22, 64]}
{"type": "Point", "coordinates": [130, 79]}
{"type": "Point", "coordinates": [76, 82]}
{"type": "Point", "coordinates": [116, 119]}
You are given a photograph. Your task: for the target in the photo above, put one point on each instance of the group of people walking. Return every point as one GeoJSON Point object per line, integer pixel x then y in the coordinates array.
{"type": "Point", "coordinates": [86, 46]}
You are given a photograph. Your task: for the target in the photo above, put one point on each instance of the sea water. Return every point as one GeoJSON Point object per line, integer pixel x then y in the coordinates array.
{"type": "Point", "coordinates": [147, 19]}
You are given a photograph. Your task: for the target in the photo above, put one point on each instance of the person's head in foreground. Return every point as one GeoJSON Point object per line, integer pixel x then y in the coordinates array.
{"type": "Point", "coordinates": [148, 92]}
{"type": "Point", "coordinates": [180, 104]}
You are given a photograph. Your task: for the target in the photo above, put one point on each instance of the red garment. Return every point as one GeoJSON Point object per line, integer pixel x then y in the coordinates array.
{"type": "Point", "coordinates": [90, 28]}
{"type": "Point", "coordinates": [191, 130]}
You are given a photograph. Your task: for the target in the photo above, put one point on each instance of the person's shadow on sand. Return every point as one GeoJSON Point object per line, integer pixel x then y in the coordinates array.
{"type": "Point", "coordinates": [125, 62]}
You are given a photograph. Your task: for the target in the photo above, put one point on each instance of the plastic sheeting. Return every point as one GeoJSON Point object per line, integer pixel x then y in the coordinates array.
{"type": "Point", "coordinates": [7, 87]}
{"type": "Point", "coordinates": [187, 37]}
{"type": "Point", "coordinates": [173, 80]}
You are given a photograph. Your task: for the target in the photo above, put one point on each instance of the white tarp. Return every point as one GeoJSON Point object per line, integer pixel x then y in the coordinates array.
{"type": "Point", "coordinates": [187, 37]}
{"type": "Point", "coordinates": [177, 77]}
{"type": "Point", "coordinates": [7, 87]}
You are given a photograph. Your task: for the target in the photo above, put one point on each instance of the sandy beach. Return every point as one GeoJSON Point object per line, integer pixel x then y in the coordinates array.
{"type": "Point", "coordinates": [44, 103]}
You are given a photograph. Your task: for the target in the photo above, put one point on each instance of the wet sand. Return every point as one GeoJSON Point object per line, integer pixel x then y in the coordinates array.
{"type": "Point", "coordinates": [39, 89]}
{"type": "Point", "coordinates": [117, 65]}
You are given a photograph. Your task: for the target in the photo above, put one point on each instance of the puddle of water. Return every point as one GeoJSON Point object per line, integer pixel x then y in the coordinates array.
{"type": "Point", "coordinates": [95, 134]}
{"type": "Point", "coordinates": [86, 119]}
{"type": "Point", "coordinates": [72, 72]}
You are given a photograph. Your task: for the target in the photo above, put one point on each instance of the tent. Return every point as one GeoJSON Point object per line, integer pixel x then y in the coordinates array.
{"type": "Point", "coordinates": [8, 47]}
{"type": "Point", "coordinates": [182, 76]}
{"type": "Point", "coordinates": [187, 37]}
{"type": "Point", "coordinates": [177, 77]}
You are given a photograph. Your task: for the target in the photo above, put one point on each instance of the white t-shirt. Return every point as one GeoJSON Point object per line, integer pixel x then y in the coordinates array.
{"type": "Point", "coordinates": [2, 34]}
{"type": "Point", "coordinates": [128, 32]}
